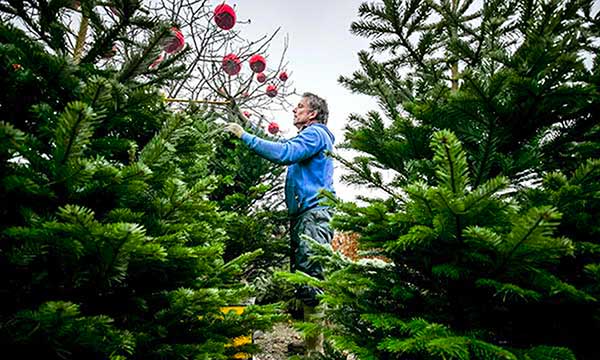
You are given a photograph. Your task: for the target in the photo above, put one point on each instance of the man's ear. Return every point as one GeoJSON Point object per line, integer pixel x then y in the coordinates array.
{"type": "Point", "coordinates": [313, 115]}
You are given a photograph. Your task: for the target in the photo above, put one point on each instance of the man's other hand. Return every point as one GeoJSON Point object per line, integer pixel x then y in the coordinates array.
{"type": "Point", "coordinates": [235, 129]}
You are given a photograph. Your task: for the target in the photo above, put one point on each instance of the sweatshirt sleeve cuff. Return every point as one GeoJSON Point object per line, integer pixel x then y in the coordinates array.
{"type": "Point", "coordinates": [247, 138]}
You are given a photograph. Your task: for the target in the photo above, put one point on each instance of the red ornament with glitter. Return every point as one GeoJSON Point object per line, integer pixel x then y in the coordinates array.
{"type": "Point", "coordinates": [224, 16]}
{"type": "Point", "coordinates": [283, 76]}
{"type": "Point", "coordinates": [175, 42]}
{"type": "Point", "coordinates": [273, 128]}
{"type": "Point", "coordinates": [271, 91]}
{"type": "Point", "coordinates": [258, 63]}
{"type": "Point", "coordinates": [231, 64]}
{"type": "Point", "coordinates": [261, 78]}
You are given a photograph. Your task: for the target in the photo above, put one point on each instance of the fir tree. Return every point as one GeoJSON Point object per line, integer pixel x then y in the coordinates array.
{"type": "Point", "coordinates": [470, 272]}
{"type": "Point", "coordinates": [489, 229]}
{"type": "Point", "coordinates": [526, 97]}
{"type": "Point", "coordinates": [113, 231]}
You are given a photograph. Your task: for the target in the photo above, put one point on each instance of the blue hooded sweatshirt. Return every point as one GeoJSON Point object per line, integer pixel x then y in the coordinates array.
{"type": "Point", "coordinates": [309, 170]}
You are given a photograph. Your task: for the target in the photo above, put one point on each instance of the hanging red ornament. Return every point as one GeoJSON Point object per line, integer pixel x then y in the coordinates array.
{"type": "Point", "coordinates": [175, 42]}
{"type": "Point", "coordinates": [16, 67]}
{"type": "Point", "coordinates": [261, 78]}
{"type": "Point", "coordinates": [247, 114]}
{"type": "Point", "coordinates": [258, 63]}
{"type": "Point", "coordinates": [271, 91]}
{"type": "Point", "coordinates": [273, 128]}
{"type": "Point", "coordinates": [231, 64]}
{"type": "Point", "coordinates": [283, 76]}
{"type": "Point", "coordinates": [156, 62]}
{"type": "Point", "coordinates": [224, 16]}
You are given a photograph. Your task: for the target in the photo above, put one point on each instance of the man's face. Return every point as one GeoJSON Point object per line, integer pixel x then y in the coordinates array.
{"type": "Point", "coordinates": [303, 114]}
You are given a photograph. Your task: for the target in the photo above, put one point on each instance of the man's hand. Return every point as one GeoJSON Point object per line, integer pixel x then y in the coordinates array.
{"type": "Point", "coordinates": [235, 129]}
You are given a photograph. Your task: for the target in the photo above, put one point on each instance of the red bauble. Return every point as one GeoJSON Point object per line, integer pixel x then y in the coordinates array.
{"type": "Point", "coordinates": [273, 128]}
{"type": "Point", "coordinates": [258, 63]}
{"type": "Point", "coordinates": [231, 64]}
{"type": "Point", "coordinates": [224, 16]}
{"type": "Point", "coordinates": [247, 114]}
{"type": "Point", "coordinates": [16, 67]}
{"type": "Point", "coordinates": [175, 42]}
{"type": "Point", "coordinates": [283, 76]}
{"type": "Point", "coordinates": [271, 90]}
{"type": "Point", "coordinates": [156, 62]}
{"type": "Point", "coordinates": [261, 78]}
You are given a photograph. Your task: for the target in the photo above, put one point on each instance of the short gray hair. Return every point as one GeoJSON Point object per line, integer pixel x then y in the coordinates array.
{"type": "Point", "coordinates": [319, 105]}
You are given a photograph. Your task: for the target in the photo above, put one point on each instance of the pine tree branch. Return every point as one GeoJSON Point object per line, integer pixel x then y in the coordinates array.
{"type": "Point", "coordinates": [81, 35]}
{"type": "Point", "coordinates": [368, 178]}
{"type": "Point", "coordinates": [450, 164]}
{"type": "Point", "coordinates": [520, 242]}
{"type": "Point", "coordinates": [132, 68]}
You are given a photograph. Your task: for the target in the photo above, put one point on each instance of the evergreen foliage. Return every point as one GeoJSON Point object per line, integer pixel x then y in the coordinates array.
{"type": "Point", "coordinates": [525, 92]}
{"type": "Point", "coordinates": [118, 213]}
{"type": "Point", "coordinates": [488, 126]}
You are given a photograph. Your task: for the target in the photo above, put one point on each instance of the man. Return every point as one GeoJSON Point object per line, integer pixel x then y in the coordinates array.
{"type": "Point", "coordinates": [309, 171]}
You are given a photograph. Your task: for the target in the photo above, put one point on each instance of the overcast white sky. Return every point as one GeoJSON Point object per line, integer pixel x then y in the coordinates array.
{"type": "Point", "coordinates": [321, 48]}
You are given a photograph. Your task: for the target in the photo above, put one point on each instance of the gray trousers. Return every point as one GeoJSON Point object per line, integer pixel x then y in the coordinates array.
{"type": "Point", "coordinates": [313, 223]}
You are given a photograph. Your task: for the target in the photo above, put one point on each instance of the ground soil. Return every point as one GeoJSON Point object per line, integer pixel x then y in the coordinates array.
{"type": "Point", "coordinates": [274, 343]}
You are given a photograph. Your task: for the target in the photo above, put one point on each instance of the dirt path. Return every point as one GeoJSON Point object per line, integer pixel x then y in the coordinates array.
{"type": "Point", "coordinates": [274, 343]}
